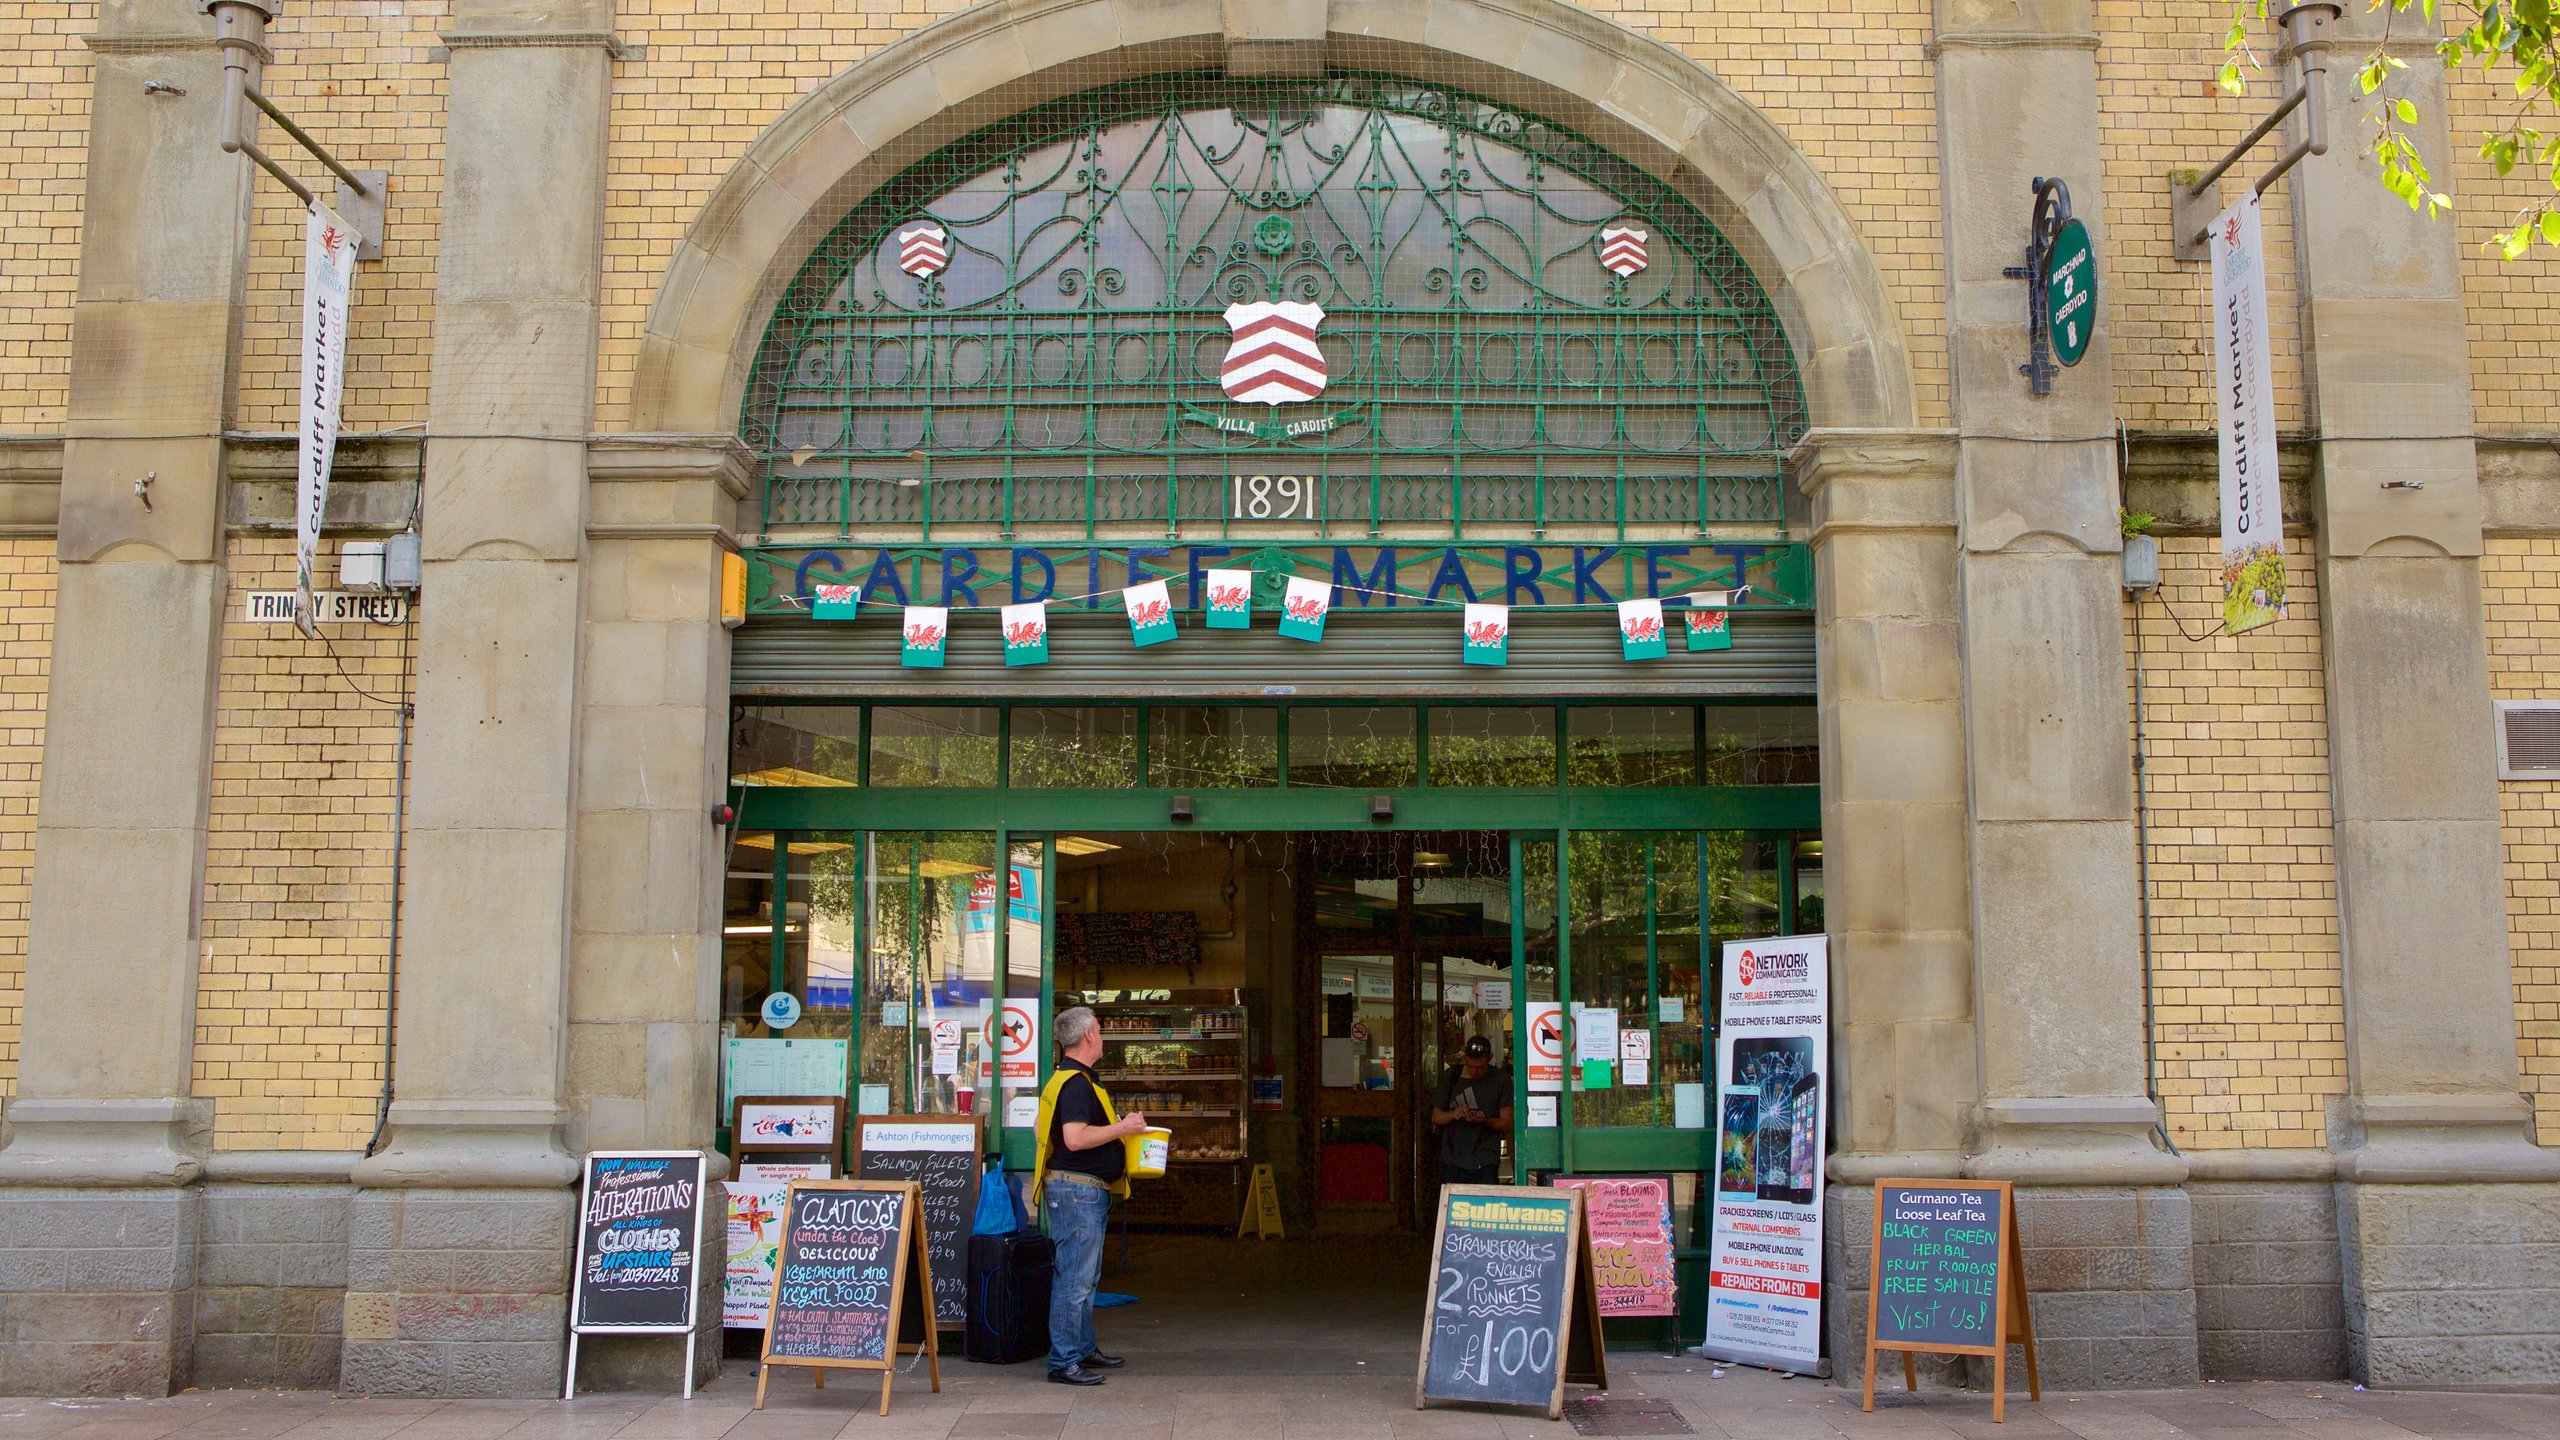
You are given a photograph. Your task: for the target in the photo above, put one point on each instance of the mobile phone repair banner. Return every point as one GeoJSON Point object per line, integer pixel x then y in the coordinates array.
{"type": "Point", "coordinates": [1773, 1081]}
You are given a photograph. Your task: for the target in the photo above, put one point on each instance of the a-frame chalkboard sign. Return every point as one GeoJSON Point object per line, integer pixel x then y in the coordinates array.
{"type": "Point", "coordinates": [852, 1284]}
{"type": "Point", "coordinates": [1514, 1310]}
{"type": "Point", "coordinates": [1948, 1276]}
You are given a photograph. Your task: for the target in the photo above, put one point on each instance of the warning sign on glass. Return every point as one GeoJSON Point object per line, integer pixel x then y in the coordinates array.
{"type": "Point", "coordinates": [1546, 1046]}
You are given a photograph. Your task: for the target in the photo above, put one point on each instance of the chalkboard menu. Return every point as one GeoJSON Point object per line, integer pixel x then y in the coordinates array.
{"type": "Point", "coordinates": [1948, 1279]}
{"type": "Point", "coordinates": [639, 1240]}
{"type": "Point", "coordinates": [1513, 1314]}
{"type": "Point", "coordinates": [940, 1154]}
{"type": "Point", "coordinates": [850, 1266]}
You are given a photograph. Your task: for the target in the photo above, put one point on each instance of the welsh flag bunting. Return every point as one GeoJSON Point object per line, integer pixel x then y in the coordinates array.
{"type": "Point", "coordinates": [1710, 623]}
{"type": "Point", "coordinates": [1026, 633]}
{"type": "Point", "coordinates": [836, 602]}
{"type": "Point", "coordinates": [1150, 612]}
{"type": "Point", "coordinates": [928, 628]}
{"type": "Point", "coordinates": [1230, 595]}
{"type": "Point", "coordinates": [1302, 610]}
{"type": "Point", "coordinates": [1488, 635]}
{"type": "Point", "coordinates": [1640, 630]}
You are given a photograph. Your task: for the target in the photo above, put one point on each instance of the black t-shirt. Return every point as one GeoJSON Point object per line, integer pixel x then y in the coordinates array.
{"type": "Point", "coordinates": [1079, 1105]}
{"type": "Point", "coordinates": [1466, 1142]}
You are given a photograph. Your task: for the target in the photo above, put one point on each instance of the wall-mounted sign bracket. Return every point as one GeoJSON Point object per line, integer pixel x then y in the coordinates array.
{"type": "Point", "coordinates": [2194, 202]}
{"type": "Point", "coordinates": [2062, 287]}
{"type": "Point", "coordinates": [240, 33]}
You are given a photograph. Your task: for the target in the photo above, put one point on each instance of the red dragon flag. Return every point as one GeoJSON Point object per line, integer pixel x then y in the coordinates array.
{"type": "Point", "coordinates": [1230, 594]}
{"type": "Point", "coordinates": [1488, 635]}
{"type": "Point", "coordinates": [1272, 356]}
{"type": "Point", "coordinates": [1026, 633]}
{"type": "Point", "coordinates": [923, 250]}
{"type": "Point", "coordinates": [923, 636]}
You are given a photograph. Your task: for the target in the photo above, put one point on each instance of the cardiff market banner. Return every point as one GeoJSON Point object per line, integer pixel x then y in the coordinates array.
{"type": "Point", "coordinates": [1773, 1072]}
{"type": "Point", "coordinates": [328, 266]}
{"type": "Point", "coordinates": [2252, 498]}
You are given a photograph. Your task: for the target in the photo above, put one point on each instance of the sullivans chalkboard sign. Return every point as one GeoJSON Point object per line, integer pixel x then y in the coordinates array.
{"type": "Point", "coordinates": [940, 1154]}
{"type": "Point", "coordinates": [639, 1247]}
{"type": "Point", "coordinates": [1513, 1314]}
{"type": "Point", "coordinates": [1949, 1278]}
{"type": "Point", "coordinates": [850, 1267]}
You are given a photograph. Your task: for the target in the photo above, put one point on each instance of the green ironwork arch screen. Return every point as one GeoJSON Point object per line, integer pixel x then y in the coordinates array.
{"type": "Point", "coordinates": [1513, 330]}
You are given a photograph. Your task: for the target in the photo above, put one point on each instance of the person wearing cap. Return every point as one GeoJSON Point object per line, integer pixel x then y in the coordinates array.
{"type": "Point", "coordinates": [1471, 1111]}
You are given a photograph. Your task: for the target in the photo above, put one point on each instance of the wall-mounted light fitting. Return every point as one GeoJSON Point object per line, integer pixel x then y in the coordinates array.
{"type": "Point", "coordinates": [1182, 809]}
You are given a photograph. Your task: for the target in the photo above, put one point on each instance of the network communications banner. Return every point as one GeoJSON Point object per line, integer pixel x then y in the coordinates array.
{"type": "Point", "coordinates": [1773, 1074]}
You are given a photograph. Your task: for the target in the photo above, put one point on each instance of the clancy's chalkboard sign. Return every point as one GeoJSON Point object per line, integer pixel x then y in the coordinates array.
{"type": "Point", "coordinates": [1513, 1313]}
{"type": "Point", "coordinates": [850, 1267]}
{"type": "Point", "coordinates": [939, 1153]}
{"type": "Point", "coordinates": [1949, 1278]}
{"type": "Point", "coordinates": [639, 1242]}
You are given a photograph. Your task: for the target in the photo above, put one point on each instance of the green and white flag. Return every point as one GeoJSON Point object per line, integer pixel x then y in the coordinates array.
{"type": "Point", "coordinates": [1710, 623]}
{"type": "Point", "coordinates": [927, 630]}
{"type": "Point", "coordinates": [1640, 634]}
{"type": "Point", "coordinates": [1150, 612]}
{"type": "Point", "coordinates": [1488, 635]}
{"type": "Point", "coordinates": [1302, 610]}
{"type": "Point", "coordinates": [836, 602]}
{"type": "Point", "coordinates": [1026, 633]}
{"type": "Point", "coordinates": [1230, 595]}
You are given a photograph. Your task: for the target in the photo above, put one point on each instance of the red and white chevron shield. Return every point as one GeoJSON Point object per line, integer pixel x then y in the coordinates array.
{"type": "Point", "coordinates": [924, 250]}
{"type": "Point", "coordinates": [1273, 358]}
{"type": "Point", "coordinates": [1622, 250]}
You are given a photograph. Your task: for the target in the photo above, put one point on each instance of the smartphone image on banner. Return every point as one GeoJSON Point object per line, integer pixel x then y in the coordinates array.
{"type": "Point", "coordinates": [1804, 1129]}
{"type": "Point", "coordinates": [1735, 1172]}
{"type": "Point", "coordinates": [1773, 1067]}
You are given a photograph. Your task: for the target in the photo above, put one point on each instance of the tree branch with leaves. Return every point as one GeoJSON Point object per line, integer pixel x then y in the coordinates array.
{"type": "Point", "coordinates": [2515, 40]}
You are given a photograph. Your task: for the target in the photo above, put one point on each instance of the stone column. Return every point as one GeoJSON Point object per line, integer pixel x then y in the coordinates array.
{"type": "Point", "coordinates": [99, 1279]}
{"type": "Point", "coordinates": [2056, 910]}
{"type": "Point", "coordinates": [645, 957]}
{"type": "Point", "coordinates": [1903, 1056]}
{"type": "Point", "coordinates": [458, 1270]}
{"type": "Point", "coordinates": [2443, 1192]}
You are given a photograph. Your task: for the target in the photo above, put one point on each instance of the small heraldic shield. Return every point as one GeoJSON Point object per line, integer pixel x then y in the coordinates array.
{"type": "Point", "coordinates": [1622, 250]}
{"type": "Point", "coordinates": [1272, 357]}
{"type": "Point", "coordinates": [923, 250]}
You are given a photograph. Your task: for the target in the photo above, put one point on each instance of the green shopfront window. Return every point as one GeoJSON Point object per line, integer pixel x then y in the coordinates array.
{"type": "Point", "coordinates": [1637, 961]}
{"type": "Point", "coordinates": [944, 746]}
{"type": "Point", "coordinates": [1213, 747]}
{"type": "Point", "coordinates": [1614, 746]}
{"type": "Point", "coordinates": [1085, 747]}
{"type": "Point", "coordinates": [1489, 745]}
{"type": "Point", "coordinates": [1352, 747]}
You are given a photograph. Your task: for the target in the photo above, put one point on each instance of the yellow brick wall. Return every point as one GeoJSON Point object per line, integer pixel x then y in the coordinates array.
{"type": "Point", "coordinates": [26, 653]}
{"type": "Point", "coordinates": [2521, 578]}
{"type": "Point", "coordinates": [44, 158]}
{"type": "Point", "coordinates": [2514, 305]}
{"type": "Point", "coordinates": [2251, 1008]}
{"type": "Point", "coordinates": [290, 1000]}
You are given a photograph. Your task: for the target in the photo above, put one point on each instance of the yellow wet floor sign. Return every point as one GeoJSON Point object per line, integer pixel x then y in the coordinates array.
{"type": "Point", "coordinates": [1261, 1207]}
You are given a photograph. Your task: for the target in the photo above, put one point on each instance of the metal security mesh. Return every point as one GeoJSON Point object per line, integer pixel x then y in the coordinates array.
{"type": "Point", "coordinates": [1047, 363]}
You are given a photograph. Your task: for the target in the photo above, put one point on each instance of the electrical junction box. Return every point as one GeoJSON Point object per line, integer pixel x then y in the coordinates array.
{"type": "Point", "coordinates": [400, 561]}
{"type": "Point", "coordinates": [360, 565]}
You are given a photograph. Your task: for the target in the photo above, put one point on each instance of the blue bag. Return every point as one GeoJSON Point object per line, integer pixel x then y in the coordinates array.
{"type": "Point", "coordinates": [998, 1212]}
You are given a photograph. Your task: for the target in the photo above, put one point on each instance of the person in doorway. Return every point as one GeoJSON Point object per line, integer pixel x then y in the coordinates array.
{"type": "Point", "coordinates": [1081, 1163]}
{"type": "Point", "coordinates": [1472, 1112]}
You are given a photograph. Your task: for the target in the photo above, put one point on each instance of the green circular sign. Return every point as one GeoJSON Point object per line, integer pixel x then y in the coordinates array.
{"type": "Point", "coordinates": [2070, 292]}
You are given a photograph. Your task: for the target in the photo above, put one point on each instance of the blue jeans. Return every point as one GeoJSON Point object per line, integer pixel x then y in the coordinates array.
{"type": "Point", "coordinates": [1078, 1215]}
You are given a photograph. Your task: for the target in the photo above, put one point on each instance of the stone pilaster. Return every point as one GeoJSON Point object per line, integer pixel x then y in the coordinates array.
{"type": "Point", "coordinates": [2440, 1178]}
{"type": "Point", "coordinates": [458, 1274]}
{"type": "Point", "coordinates": [2057, 960]}
{"type": "Point", "coordinates": [101, 1135]}
{"type": "Point", "coordinates": [653, 716]}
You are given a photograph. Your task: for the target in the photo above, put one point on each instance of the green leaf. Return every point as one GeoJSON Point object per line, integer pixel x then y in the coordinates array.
{"type": "Point", "coordinates": [2406, 109]}
{"type": "Point", "coordinates": [2551, 226]}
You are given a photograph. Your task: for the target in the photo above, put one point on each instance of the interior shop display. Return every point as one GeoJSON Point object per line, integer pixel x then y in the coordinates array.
{"type": "Point", "coordinates": [1178, 1057]}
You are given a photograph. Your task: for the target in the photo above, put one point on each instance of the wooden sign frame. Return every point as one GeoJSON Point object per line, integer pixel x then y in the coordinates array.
{"type": "Point", "coordinates": [911, 1250]}
{"type": "Point", "coordinates": [2009, 1318]}
{"type": "Point", "coordinates": [740, 1147]}
{"type": "Point", "coordinates": [977, 1164]}
{"type": "Point", "coordinates": [578, 1269]}
{"type": "Point", "coordinates": [1580, 1294]}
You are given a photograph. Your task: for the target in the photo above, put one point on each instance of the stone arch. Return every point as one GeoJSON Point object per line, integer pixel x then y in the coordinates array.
{"type": "Point", "coordinates": [1647, 103]}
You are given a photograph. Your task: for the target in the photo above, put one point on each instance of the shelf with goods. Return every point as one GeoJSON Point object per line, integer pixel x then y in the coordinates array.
{"type": "Point", "coordinates": [1179, 1057]}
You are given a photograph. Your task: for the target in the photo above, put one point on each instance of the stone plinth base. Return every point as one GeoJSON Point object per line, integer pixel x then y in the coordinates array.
{"type": "Point", "coordinates": [97, 1290]}
{"type": "Point", "coordinates": [2452, 1286]}
{"type": "Point", "coordinates": [457, 1293]}
{"type": "Point", "coordinates": [2268, 1305]}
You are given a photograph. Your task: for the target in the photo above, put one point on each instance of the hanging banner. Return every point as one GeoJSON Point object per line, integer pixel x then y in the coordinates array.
{"type": "Point", "coordinates": [1764, 1283]}
{"type": "Point", "coordinates": [835, 602]}
{"type": "Point", "coordinates": [928, 633]}
{"type": "Point", "coordinates": [1230, 599]}
{"type": "Point", "coordinates": [328, 267]}
{"type": "Point", "coordinates": [1710, 624]}
{"type": "Point", "coordinates": [1026, 634]}
{"type": "Point", "coordinates": [1303, 609]}
{"type": "Point", "coordinates": [2244, 393]}
{"type": "Point", "coordinates": [1488, 635]}
{"type": "Point", "coordinates": [1640, 630]}
{"type": "Point", "coordinates": [1150, 609]}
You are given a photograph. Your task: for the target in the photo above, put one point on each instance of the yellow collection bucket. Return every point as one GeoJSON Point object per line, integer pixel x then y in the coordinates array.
{"type": "Point", "coordinates": [1149, 1149]}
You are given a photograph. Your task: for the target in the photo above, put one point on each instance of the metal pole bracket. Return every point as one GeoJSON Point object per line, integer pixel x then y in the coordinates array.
{"type": "Point", "coordinates": [2193, 200]}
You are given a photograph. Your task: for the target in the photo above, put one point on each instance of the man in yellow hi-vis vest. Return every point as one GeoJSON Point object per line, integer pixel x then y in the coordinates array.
{"type": "Point", "coordinates": [1081, 1163]}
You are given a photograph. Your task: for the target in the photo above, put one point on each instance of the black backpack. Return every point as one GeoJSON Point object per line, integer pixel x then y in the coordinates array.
{"type": "Point", "coordinates": [1010, 1277]}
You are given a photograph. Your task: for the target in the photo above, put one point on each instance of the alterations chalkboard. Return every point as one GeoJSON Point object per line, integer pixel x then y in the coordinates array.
{"type": "Point", "coordinates": [1949, 1278]}
{"type": "Point", "coordinates": [850, 1265]}
{"type": "Point", "coordinates": [941, 1154]}
{"type": "Point", "coordinates": [1514, 1314]}
{"type": "Point", "coordinates": [639, 1249]}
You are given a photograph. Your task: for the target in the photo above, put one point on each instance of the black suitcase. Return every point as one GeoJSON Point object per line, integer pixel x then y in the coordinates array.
{"type": "Point", "coordinates": [1010, 1277]}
